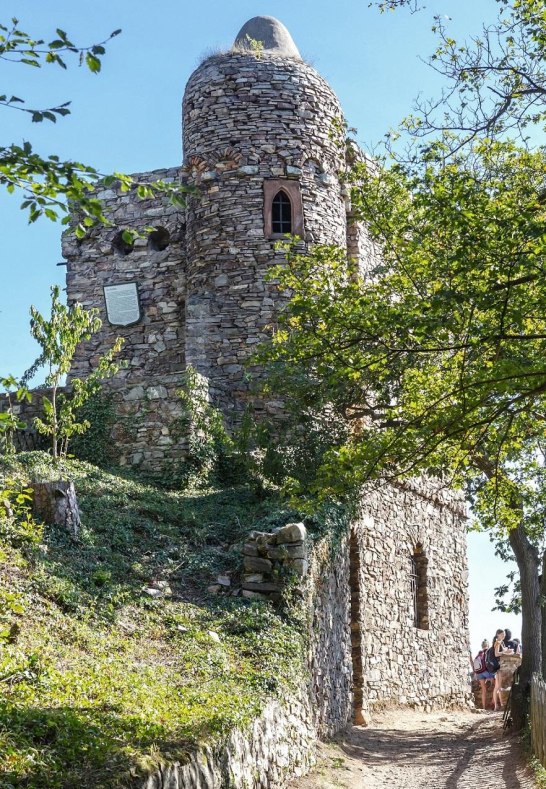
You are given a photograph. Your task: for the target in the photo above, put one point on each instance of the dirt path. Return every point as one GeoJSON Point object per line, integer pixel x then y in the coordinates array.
{"type": "Point", "coordinates": [413, 750]}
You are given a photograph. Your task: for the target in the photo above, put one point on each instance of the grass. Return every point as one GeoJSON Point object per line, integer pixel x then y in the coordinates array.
{"type": "Point", "coordinates": [98, 680]}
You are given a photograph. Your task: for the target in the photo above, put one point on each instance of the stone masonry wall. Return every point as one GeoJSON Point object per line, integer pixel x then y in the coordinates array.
{"type": "Point", "coordinates": [279, 745]}
{"type": "Point", "coordinates": [402, 663]}
{"type": "Point", "coordinates": [154, 346]}
{"type": "Point", "coordinates": [27, 439]}
{"type": "Point", "coordinates": [330, 659]}
{"type": "Point", "coordinates": [246, 120]}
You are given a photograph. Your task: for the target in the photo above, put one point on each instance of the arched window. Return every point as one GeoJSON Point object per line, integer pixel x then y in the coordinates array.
{"type": "Point", "coordinates": [283, 209]}
{"type": "Point", "coordinates": [419, 587]}
{"type": "Point", "coordinates": [281, 213]}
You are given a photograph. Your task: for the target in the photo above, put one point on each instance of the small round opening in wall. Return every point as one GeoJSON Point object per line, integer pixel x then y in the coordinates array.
{"type": "Point", "coordinates": [121, 245]}
{"type": "Point", "coordinates": [159, 239]}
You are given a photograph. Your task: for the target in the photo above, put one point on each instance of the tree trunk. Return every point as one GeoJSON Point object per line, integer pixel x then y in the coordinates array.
{"type": "Point", "coordinates": [531, 627]}
{"type": "Point", "coordinates": [56, 503]}
{"type": "Point", "coordinates": [543, 610]}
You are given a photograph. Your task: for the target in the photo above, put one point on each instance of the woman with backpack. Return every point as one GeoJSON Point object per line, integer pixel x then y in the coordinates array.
{"type": "Point", "coordinates": [493, 663]}
{"type": "Point", "coordinates": [483, 675]}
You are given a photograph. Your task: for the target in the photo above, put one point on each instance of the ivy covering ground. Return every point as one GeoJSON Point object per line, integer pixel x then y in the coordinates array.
{"type": "Point", "coordinates": [99, 681]}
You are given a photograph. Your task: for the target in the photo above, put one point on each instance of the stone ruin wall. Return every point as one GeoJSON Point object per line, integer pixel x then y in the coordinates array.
{"type": "Point", "coordinates": [28, 439]}
{"type": "Point", "coordinates": [205, 299]}
{"type": "Point", "coordinates": [147, 434]}
{"type": "Point", "coordinates": [403, 664]}
{"type": "Point", "coordinates": [364, 640]}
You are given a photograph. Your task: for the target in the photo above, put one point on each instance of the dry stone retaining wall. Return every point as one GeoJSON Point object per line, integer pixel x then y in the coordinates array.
{"type": "Point", "coordinates": [279, 745]}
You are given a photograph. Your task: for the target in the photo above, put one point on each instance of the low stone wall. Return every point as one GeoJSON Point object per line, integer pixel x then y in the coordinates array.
{"type": "Point", "coordinates": [367, 648]}
{"type": "Point", "coordinates": [27, 439]}
{"type": "Point", "coordinates": [279, 745]}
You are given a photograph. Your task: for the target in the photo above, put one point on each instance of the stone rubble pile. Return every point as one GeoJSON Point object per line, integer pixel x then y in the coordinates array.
{"type": "Point", "coordinates": [273, 558]}
{"type": "Point", "coordinates": [270, 561]}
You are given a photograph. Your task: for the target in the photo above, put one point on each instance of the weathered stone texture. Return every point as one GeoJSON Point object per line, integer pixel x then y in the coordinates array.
{"type": "Point", "coordinates": [403, 664]}
{"type": "Point", "coordinates": [247, 120]}
{"type": "Point", "coordinates": [279, 745]}
{"type": "Point", "coordinates": [365, 651]}
{"type": "Point", "coordinates": [154, 347]}
{"type": "Point", "coordinates": [28, 439]}
{"type": "Point", "coordinates": [330, 660]}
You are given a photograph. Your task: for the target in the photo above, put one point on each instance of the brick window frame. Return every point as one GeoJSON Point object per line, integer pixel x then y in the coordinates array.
{"type": "Point", "coordinates": [291, 188]}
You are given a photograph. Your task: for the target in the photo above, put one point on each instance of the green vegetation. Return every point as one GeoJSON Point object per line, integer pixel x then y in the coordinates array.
{"type": "Point", "coordinates": [433, 358]}
{"type": "Point", "coordinates": [101, 679]}
{"type": "Point", "coordinates": [14, 393]}
{"type": "Point", "coordinates": [58, 337]}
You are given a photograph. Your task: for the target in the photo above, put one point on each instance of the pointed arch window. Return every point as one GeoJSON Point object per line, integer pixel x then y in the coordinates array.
{"type": "Point", "coordinates": [283, 209]}
{"type": "Point", "coordinates": [281, 213]}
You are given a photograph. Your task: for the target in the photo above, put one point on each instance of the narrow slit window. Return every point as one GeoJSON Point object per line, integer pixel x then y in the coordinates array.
{"type": "Point", "coordinates": [281, 213]}
{"type": "Point", "coordinates": [419, 588]}
{"type": "Point", "coordinates": [414, 582]}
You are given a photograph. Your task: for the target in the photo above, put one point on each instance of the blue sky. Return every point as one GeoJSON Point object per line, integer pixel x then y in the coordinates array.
{"type": "Point", "coordinates": [128, 119]}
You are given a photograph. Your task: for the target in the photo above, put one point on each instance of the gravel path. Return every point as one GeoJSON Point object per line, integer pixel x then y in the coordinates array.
{"type": "Point", "coordinates": [414, 750]}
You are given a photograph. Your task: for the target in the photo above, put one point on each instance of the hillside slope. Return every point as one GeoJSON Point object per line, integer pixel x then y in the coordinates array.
{"type": "Point", "coordinates": [114, 656]}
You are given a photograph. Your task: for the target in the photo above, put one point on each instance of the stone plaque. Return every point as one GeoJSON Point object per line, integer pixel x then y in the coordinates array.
{"type": "Point", "coordinates": [122, 304]}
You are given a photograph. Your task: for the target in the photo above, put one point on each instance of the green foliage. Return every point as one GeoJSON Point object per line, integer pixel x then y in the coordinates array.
{"type": "Point", "coordinates": [212, 452]}
{"type": "Point", "coordinates": [96, 445]}
{"type": "Point", "coordinates": [17, 530]}
{"type": "Point", "coordinates": [125, 681]}
{"type": "Point", "coordinates": [435, 357]}
{"type": "Point", "coordinates": [256, 46]}
{"type": "Point", "coordinates": [494, 83]}
{"type": "Point", "coordinates": [15, 392]}
{"type": "Point", "coordinates": [47, 184]}
{"type": "Point", "coordinates": [17, 526]}
{"type": "Point", "coordinates": [59, 337]}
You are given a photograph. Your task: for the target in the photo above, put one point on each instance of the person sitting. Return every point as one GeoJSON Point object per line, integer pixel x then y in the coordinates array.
{"type": "Point", "coordinates": [483, 675]}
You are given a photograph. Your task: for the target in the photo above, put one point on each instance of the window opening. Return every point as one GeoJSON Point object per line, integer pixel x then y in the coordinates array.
{"type": "Point", "coordinates": [419, 588]}
{"type": "Point", "coordinates": [281, 213]}
{"type": "Point", "coordinates": [159, 239]}
{"type": "Point", "coordinates": [413, 585]}
{"type": "Point", "coordinates": [121, 246]}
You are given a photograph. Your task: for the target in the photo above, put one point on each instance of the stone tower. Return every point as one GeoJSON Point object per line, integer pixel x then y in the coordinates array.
{"type": "Point", "coordinates": [264, 155]}
{"type": "Point", "coordinates": [258, 122]}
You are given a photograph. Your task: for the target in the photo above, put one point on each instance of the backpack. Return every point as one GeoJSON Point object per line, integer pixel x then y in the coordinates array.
{"type": "Point", "coordinates": [491, 660]}
{"type": "Point", "coordinates": [479, 662]}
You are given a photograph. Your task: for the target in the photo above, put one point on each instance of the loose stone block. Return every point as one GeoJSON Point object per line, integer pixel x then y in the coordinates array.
{"type": "Point", "coordinates": [287, 551]}
{"type": "Point", "coordinates": [263, 587]}
{"type": "Point", "coordinates": [257, 564]}
{"type": "Point", "coordinates": [292, 532]}
{"type": "Point", "coordinates": [249, 549]}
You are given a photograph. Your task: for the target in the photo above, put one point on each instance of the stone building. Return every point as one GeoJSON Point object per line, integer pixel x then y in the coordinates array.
{"type": "Point", "coordinates": [264, 155]}
{"type": "Point", "coordinates": [264, 152]}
